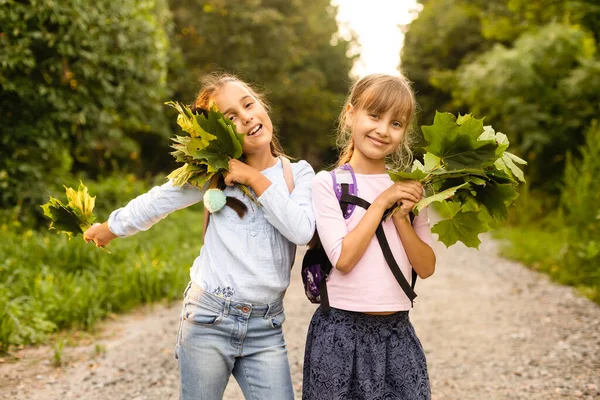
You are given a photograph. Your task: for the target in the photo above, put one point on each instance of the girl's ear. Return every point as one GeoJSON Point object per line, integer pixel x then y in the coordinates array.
{"type": "Point", "coordinates": [349, 115]}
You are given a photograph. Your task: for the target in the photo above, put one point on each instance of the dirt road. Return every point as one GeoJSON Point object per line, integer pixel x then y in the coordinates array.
{"type": "Point", "coordinates": [491, 329]}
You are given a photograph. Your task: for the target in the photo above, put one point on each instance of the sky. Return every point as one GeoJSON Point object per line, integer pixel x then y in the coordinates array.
{"type": "Point", "coordinates": [376, 24]}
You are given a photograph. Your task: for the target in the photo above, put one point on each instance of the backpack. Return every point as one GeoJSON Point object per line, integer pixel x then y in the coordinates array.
{"type": "Point", "coordinates": [316, 266]}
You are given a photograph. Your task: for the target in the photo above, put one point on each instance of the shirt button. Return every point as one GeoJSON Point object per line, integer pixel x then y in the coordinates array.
{"type": "Point", "coordinates": [245, 309]}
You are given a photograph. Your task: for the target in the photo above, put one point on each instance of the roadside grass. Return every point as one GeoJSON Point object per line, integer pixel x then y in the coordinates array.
{"type": "Point", "coordinates": [49, 284]}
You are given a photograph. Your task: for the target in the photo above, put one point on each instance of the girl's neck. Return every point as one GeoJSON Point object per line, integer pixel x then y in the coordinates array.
{"type": "Point", "coordinates": [262, 160]}
{"type": "Point", "coordinates": [364, 165]}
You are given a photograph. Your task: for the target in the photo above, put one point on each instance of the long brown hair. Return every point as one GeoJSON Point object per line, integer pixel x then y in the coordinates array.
{"type": "Point", "coordinates": [210, 85]}
{"type": "Point", "coordinates": [379, 93]}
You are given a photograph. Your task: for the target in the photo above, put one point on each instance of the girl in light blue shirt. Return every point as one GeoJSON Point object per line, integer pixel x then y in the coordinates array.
{"type": "Point", "coordinates": [233, 311]}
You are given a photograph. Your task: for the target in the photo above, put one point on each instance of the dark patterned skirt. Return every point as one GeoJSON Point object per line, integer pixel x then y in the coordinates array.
{"type": "Point", "coordinates": [356, 356]}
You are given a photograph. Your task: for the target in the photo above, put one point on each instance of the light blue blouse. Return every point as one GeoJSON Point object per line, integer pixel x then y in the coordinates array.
{"type": "Point", "coordinates": [247, 259]}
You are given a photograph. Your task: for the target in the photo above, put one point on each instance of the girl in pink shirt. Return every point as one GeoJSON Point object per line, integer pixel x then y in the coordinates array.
{"type": "Point", "coordinates": [365, 347]}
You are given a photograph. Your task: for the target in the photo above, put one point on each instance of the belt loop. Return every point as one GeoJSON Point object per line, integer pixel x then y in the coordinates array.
{"type": "Point", "coordinates": [187, 289]}
{"type": "Point", "coordinates": [226, 307]}
{"type": "Point", "coordinates": [268, 312]}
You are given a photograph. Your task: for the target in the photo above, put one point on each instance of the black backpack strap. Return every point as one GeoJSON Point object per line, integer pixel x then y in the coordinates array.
{"type": "Point", "coordinates": [389, 257]}
{"type": "Point", "coordinates": [412, 217]}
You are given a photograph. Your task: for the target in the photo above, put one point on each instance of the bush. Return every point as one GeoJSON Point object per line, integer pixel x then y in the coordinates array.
{"type": "Point", "coordinates": [580, 200]}
{"type": "Point", "coordinates": [563, 240]}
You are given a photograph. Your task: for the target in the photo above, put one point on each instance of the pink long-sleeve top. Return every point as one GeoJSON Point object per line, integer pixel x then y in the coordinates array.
{"type": "Point", "coordinates": [370, 286]}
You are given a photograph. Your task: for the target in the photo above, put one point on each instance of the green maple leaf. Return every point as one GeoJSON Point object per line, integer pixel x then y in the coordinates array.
{"type": "Point", "coordinates": [196, 148]}
{"type": "Point", "coordinates": [496, 198]}
{"type": "Point", "coordinates": [499, 176]}
{"type": "Point", "coordinates": [416, 175]}
{"type": "Point", "coordinates": [500, 138]}
{"type": "Point", "coordinates": [508, 164]}
{"type": "Point", "coordinates": [456, 142]}
{"type": "Point", "coordinates": [441, 196]}
{"type": "Point", "coordinates": [459, 226]}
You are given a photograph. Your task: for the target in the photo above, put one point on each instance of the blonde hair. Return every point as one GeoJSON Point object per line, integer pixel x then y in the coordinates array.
{"type": "Point", "coordinates": [214, 81]}
{"type": "Point", "coordinates": [379, 93]}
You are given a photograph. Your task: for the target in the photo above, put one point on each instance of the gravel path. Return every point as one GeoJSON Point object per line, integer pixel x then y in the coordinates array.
{"type": "Point", "coordinates": [491, 329]}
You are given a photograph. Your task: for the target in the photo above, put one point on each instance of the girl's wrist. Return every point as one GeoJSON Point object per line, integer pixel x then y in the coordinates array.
{"type": "Point", "coordinates": [259, 183]}
{"type": "Point", "coordinates": [399, 218]}
{"type": "Point", "coordinates": [254, 177]}
{"type": "Point", "coordinates": [380, 204]}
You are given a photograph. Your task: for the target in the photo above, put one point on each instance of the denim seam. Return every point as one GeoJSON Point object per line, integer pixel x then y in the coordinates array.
{"type": "Point", "coordinates": [250, 386]}
{"type": "Point", "coordinates": [243, 337]}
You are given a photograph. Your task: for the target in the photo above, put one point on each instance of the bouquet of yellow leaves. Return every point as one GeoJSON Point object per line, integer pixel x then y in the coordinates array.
{"type": "Point", "coordinates": [72, 218]}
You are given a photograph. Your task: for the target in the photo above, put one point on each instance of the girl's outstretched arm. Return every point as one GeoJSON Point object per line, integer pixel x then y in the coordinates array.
{"type": "Point", "coordinates": [143, 212]}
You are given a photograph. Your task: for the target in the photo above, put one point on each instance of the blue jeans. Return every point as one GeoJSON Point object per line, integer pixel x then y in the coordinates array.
{"type": "Point", "coordinates": [218, 337]}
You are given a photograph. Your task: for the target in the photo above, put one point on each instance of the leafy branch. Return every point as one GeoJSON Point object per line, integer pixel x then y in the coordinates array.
{"type": "Point", "coordinates": [467, 169]}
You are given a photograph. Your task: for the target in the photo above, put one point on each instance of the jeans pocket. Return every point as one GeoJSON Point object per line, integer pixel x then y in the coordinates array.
{"type": "Point", "coordinates": [277, 320]}
{"type": "Point", "coordinates": [198, 314]}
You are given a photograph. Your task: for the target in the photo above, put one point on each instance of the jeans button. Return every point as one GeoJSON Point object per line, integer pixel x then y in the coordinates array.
{"type": "Point", "coordinates": [245, 309]}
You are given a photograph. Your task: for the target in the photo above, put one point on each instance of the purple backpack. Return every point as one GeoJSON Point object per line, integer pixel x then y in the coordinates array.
{"type": "Point", "coordinates": [316, 265]}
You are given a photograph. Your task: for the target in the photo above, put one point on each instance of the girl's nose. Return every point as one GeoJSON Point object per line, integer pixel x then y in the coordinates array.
{"type": "Point", "coordinates": [247, 119]}
{"type": "Point", "coordinates": [382, 128]}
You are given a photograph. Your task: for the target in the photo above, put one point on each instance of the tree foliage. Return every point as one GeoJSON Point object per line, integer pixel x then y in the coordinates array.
{"type": "Point", "coordinates": [445, 34]}
{"type": "Point", "coordinates": [543, 92]}
{"type": "Point", "coordinates": [78, 80]}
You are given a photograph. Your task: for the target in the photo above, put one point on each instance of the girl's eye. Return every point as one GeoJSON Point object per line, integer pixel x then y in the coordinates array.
{"type": "Point", "coordinates": [249, 105]}
{"type": "Point", "coordinates": [231, 117]}
{"type": "Point", "coordinates": [397, 124]}
{"type": "Point", "coordinates": [373, 115]}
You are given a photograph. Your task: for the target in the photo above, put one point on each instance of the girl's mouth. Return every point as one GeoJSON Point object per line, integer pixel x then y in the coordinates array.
{"type": "Point", "coordinates": [256, 131]}
{"type": "Point", "coordinates": [376, 142]}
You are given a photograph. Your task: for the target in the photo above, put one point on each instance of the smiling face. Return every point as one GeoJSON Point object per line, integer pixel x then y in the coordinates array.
{"type": "Point", "coordinates": [250, 117]}
{"type": "Point", "coordinates": [376, 134]}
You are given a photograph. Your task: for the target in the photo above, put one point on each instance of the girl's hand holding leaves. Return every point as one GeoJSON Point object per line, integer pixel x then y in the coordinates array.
{"type": "Point", "coordinates": [468, 170]}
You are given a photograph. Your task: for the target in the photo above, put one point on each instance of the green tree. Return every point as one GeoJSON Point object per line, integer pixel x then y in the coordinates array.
{"type": "Point", "coordinates": [505, 20]}
{"type": "Point", "coordinates": [289, 47]}
{"type": "Point", "coordinates": [445, 34]}
{"type": "Point", "coordinates": [543, 93]}
{"type": "Point", "coordinates": [78, 81]}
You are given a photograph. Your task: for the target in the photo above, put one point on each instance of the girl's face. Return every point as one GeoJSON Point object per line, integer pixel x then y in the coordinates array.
{"type": "Point", "coordinates": [248, 114]}
{"type": "Point", "coordinates": [375, 135]}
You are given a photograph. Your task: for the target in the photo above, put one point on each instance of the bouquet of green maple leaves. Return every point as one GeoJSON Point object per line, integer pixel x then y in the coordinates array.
{"type": "Point", "coordinates": [206, 152]}
{"type": "Point", "coordinates": [467, 169]}
{"type": "Point", "coordinates": [72, 218]}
